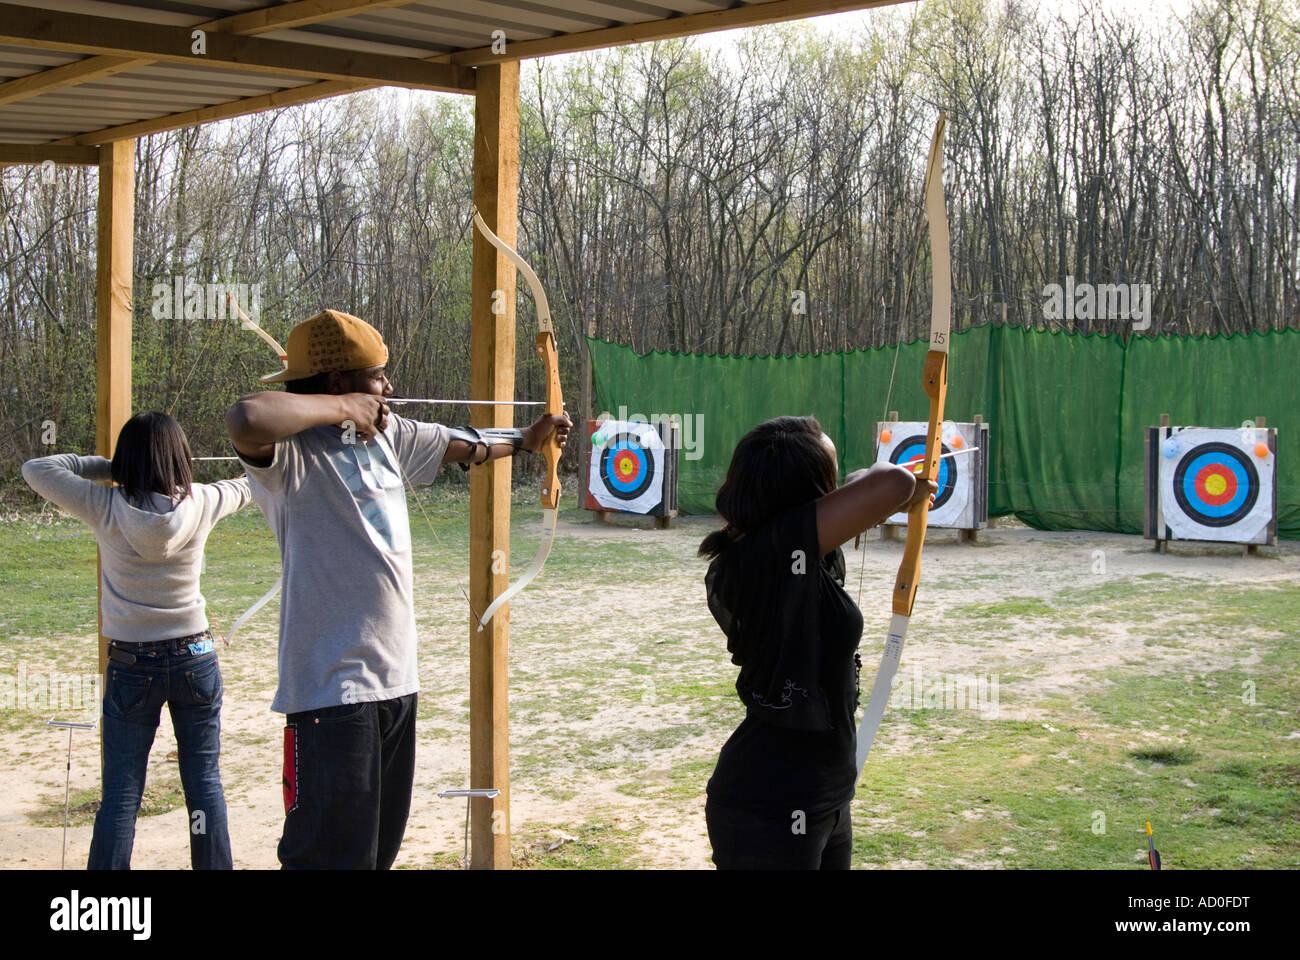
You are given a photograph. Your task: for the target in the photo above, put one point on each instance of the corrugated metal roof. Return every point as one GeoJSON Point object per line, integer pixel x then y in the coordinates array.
{"type": "Point", "coordinates": [125, 91]}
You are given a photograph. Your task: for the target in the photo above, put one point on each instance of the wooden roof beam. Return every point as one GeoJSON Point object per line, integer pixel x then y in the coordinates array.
{"type": "Point", "coordinates": [15, 153]}
{"type": "Point", "coordinates": [68, 75]}
{"type": "Point", "coordinates": [250, 23]}
{"type": "Point", "coordinates": [78, 33]}
{"type": "Point", "coordinates": [221, 111]}
{"type": "Point", "coordinates": [286, 16]}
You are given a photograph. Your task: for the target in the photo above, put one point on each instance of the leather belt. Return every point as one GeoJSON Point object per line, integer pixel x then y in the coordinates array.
{"type": "Point", "coordinates": [126, 652]}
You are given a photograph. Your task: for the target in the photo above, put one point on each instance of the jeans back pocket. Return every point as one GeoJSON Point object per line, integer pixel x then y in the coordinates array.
{"type": "Point", "coordinates": [127, 691]}
{"type": "Point", "coordinates": [204, 682]}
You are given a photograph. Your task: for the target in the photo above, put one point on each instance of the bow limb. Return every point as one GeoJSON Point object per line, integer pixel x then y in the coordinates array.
{"type": "Point", "coordinates": [247, 323]}
{"type": "Point", "coordinates": [550, 447]}
{"type": "Point", "coordinates": [262, 601]}
{"type": "Point", "coordinates": [935, 383]}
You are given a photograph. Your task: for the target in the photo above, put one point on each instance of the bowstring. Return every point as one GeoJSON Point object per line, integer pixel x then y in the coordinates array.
{"type": "Point", "coordinates": [452, 261]}
{"type": "Point", "coordinates": [414, 495]}
{"type": "Point", "coordinates": [204, 338]}
{"type": "Point", "coordinates": [204, 342]}
{"type": "Point", "coordinates": [203, 346]}
{"type": "Point", "coordinates": [889, 392]}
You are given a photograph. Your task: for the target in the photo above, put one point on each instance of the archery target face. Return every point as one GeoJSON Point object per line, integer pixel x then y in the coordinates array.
{"type": "Point", "coordinates": [911, 451]}
{"type": "Point", "coordinates": [1214, 486]}
{"type": "Point", "coordinates": [629, 467]}
{"type": "Point", "coordinates": [907, 446]}
{"type": "Point", "coordinates": [626, 469]}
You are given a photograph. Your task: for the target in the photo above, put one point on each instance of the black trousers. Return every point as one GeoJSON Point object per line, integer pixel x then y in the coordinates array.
{"type": "Point", "coordinates": [348, 773]}
{"type": "Point", "coordinates": [748, 841]}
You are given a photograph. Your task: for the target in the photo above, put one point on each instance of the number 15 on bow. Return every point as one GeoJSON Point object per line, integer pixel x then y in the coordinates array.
{"type": "Point", "coordinates": [935, 382]}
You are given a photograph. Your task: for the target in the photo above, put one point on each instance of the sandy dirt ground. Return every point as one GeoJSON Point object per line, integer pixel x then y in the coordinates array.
{"type": "Point", "coordinates": [621, 689]}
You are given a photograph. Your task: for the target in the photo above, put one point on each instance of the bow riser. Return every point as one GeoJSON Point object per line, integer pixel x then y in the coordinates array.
{"type": "Point", "coordinates": [550, 451]}
{"type": "Point", "coordinates": [909, 572]}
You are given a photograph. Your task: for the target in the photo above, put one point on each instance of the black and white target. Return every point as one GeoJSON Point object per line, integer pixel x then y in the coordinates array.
{"type": "Point", "coordinates": [906, 446]}
{"type": "Point", "coordinates": [629, 466]}
{"type": "Point", "coordinates": [1216, 484]}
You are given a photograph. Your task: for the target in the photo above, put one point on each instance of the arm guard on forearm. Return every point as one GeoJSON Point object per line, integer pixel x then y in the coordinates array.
{"type": "Point", "coordinates": [485, 438]}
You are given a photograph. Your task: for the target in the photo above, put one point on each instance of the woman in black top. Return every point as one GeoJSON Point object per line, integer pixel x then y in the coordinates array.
{"type": "Point", "coordinates": [779, 796]}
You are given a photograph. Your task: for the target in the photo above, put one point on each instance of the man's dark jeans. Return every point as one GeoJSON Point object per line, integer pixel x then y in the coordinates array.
{"type": "Point", "coordinates": [348, 774]}
{"type": "Point", "coordinates": [134, 695]}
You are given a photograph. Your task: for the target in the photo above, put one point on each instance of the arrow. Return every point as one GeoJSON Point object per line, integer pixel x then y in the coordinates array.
{"type": "Point", "coordinates": [919, 463]}
{"type": "Point", "coordinates": [486, 403]}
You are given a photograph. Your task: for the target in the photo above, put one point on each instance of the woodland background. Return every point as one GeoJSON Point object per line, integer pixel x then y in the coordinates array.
{"type": "Point", "coordinates": [675, 197]}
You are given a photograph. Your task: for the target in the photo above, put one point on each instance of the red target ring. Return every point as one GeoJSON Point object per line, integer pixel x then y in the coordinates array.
{"type": "Point", "coordinates": [626, 467]}
{"type": "Point", "coordinates": [1215, 485]}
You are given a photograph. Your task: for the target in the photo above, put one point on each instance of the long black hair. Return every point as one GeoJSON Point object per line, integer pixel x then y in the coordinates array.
{"type": "Point", "coordinates": [152, 456]}
{"type": "Point", "coordinates": [776, 466]}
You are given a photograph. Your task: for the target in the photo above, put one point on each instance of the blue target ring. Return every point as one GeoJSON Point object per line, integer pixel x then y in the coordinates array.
{"type": "Point", "coordinates": [913, 448]}
{"type": "Point", "coordinates": [1216, 485]}
{"type": "Point", "coordinates": [626, 469]}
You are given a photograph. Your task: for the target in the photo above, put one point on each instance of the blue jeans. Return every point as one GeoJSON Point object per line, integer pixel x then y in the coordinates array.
{"type": "Point", "coordinates": [134, 694]}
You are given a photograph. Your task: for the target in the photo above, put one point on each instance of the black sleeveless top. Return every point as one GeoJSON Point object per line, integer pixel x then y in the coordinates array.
{"type": "Point", "coordinates": [794, 632]}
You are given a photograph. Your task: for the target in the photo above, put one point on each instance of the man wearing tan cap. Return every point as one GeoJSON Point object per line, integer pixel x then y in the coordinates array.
{"type": "Point", "coordinates": [325, 461]}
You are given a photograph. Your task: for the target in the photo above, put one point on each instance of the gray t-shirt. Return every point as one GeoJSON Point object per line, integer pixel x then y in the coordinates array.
{"type": "Point", "coordinates": [347, 614]}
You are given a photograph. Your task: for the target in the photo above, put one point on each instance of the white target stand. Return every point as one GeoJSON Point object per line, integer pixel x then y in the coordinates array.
{"type": "Point", "coordinates": [633, 469]}
{"type": "Point", "coordinates": [962, 501]}
{"type": "Point", "coordinates": [1216, 485]}
{"type": "Point", "coordinates": [471, 793]}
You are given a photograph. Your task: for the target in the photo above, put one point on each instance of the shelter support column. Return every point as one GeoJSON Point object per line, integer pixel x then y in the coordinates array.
{"type": "Point", "coordinates": [114, 272]}
{"type": "Point", "coordinates": [492, 377]}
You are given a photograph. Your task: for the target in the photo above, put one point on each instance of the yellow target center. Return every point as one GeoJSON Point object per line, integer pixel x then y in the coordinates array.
{"type": "Point", "coordinates": [1215, 485]}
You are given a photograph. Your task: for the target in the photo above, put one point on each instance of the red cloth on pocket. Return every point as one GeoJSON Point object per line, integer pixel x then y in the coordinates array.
{"type": "Point", "coordinates": [289, 775]}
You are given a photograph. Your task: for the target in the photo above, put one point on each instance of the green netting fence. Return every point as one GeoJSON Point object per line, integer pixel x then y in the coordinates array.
{"type": "Point", "coordinates": [1066, 411]}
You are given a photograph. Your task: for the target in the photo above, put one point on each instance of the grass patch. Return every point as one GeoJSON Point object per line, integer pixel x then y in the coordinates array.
{"type": "Point", "coordinates": [1205, 771]}
{"type": "Point", "coordinates": [158, 798]}
{"type": "Point", "coordinates": [594, 845]}
{"type": "Point", "coordinates": [1016, 607]}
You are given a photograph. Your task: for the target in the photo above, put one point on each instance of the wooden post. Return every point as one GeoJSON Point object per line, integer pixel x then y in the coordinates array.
{"type": "Point", "coordinates": [114, 271]}
{"type": "Point", "coordinates": [887, 530]}
{"type": "Point", "coordinates": [584, 469]}
{"type": "Point", "coordinates": [492, 377]}
{"type": "Point", "coordinates": [1252, 549]}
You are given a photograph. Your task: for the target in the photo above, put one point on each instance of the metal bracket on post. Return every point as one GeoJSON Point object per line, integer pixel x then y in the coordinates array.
{"type": "Point", "coordinates": [473, 793]}
{"type": "Point", "coordinates": [67, 777]}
